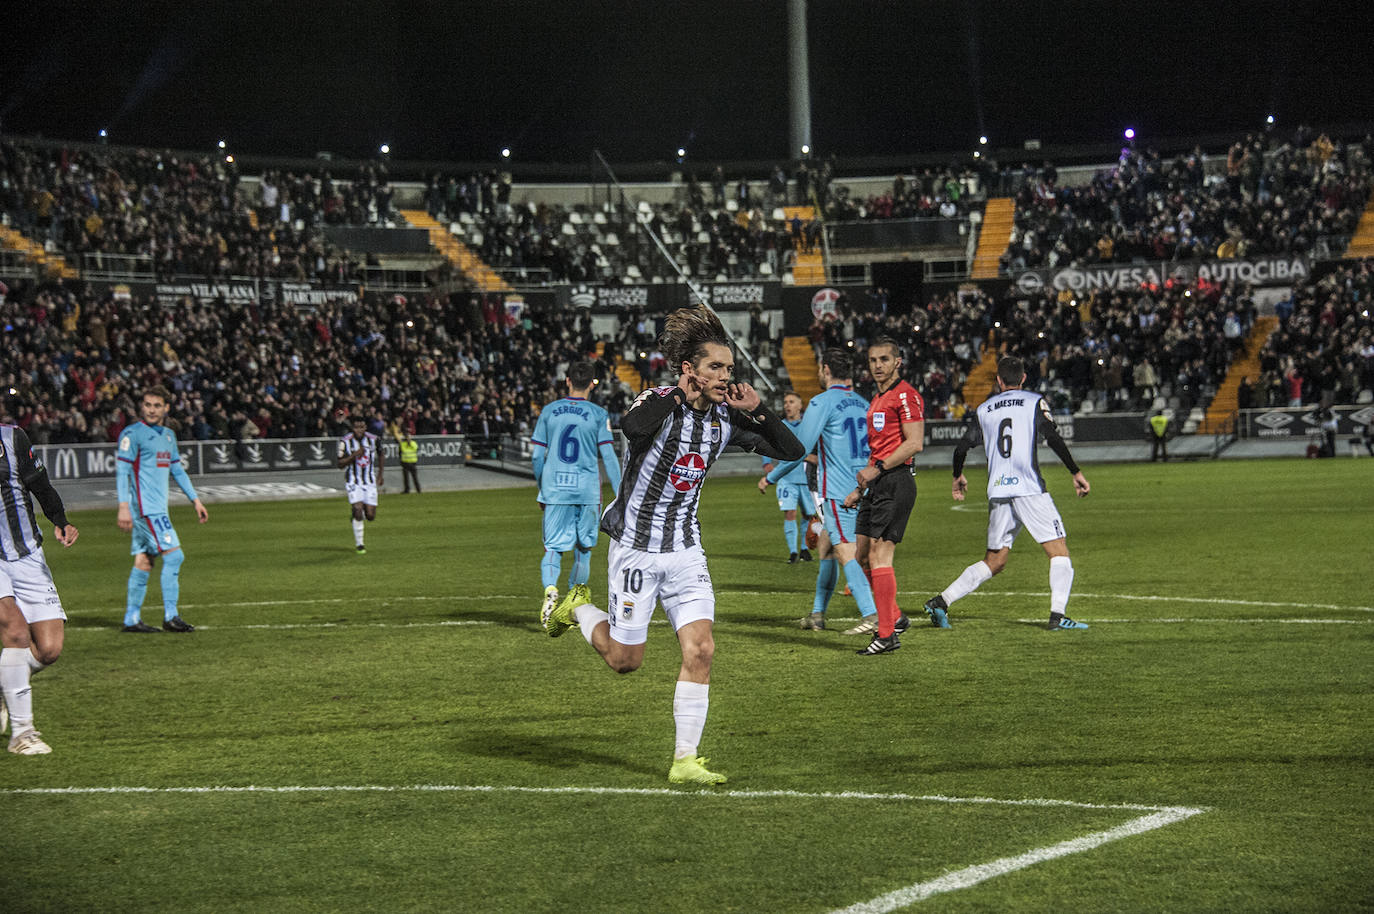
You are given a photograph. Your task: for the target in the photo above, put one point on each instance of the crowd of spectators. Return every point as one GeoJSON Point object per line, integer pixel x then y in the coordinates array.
{"type": "Point", "coordinates": [75, 363]}
{"type": "Point", "coordinates": [1109, 351]}
{"type": "Point", "coordinates": [115, 209]}
{"type": "Point", "coordinates": [1272, 197]}
{"type": "Point", "coordinates": [1323, 350]}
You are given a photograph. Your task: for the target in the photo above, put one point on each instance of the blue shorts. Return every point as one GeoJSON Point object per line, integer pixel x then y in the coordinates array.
{"type": "Point", "coordinates": [794, 497]}
{"type": "Point", "coordinates": [569, 525]}
{"type": "Point", "coordinates": [154, 535]}
{"type": "Point", "coordinates": [839, 521]}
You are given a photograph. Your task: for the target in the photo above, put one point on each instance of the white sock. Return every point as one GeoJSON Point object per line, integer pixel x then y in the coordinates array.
{"type": "Point", "coordinates": [971, 579]}
{"type": "Point", "coordinates": [1061, 582]}
{"type": "Point", "coordinates": [588, 618]}
{"type": "Point", "coordinates": [14, 681]}
{"type": "Point", "coordinates": [689, 713]}
{"type": "Point", "coordinates": [357, 533]}
{"type": "Point", "coordinates": [35, 665]}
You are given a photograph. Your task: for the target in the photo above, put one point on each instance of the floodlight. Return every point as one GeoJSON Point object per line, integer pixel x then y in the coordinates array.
{"type": "Point", "coordinates": [1130, 133]}
{"type": "Point", "coordinates": [222, 144]}
{"type": "Point", "coordinates": [386, 149]}
{"type": "Point", "coordinates": [982, 141]}
{"type": "Point", "coordinates": [806, 149]}
{"type": "Point", "coordinates": [505, 152]}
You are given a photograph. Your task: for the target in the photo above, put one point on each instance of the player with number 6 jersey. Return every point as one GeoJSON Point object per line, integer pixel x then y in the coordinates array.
{"type": "Point", "coordinates": [568, 436]}
{"type": "Point", "coordinates": [1009, 425]}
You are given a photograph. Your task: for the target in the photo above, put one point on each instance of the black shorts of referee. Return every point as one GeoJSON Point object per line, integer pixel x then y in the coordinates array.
{"type": "Point", "coordinates": [886, 505]}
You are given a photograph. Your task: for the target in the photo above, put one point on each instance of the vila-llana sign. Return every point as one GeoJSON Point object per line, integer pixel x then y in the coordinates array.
{"type": "Point", "coordinates": [92, 461]}
{"type": "Point", "coordinates": [1267, 271]}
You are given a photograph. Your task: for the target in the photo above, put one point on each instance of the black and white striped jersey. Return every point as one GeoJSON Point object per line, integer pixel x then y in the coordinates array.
{"type": "Point", "coordinates": [363, 471]}
{"type": "Point", "coordinates": [656, 509]}
{"type": "Point", "coordinates": [21, 471]}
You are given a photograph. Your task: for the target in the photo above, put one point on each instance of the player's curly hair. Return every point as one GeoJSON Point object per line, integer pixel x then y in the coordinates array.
{"type": "Point", "coordinates": [687, 331]}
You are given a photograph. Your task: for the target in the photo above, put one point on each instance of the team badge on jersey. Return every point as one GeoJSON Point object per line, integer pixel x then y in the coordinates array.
{"type": "Point", "coordinates": [688, 471]}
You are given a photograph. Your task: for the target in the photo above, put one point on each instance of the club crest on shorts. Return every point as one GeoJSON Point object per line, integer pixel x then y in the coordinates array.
{"type": "Point", "coordinates": [688, 471]}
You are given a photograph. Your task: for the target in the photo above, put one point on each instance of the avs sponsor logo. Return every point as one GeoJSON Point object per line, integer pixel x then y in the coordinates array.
{"type": "Point", "coordinates": [1005, 480]}
{"type": "Point", "coordinates": [318, 457]}
{"type": "Point", "coordinates": [286, 456]}
{"type": "Point", "coordinates": [1274, 425]}
{"type": "Point", "coordinates": [688, 471]}
{"type": "Point", "coordinates": [222, 457]}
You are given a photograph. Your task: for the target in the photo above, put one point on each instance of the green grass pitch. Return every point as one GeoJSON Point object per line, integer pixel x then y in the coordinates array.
{"type": "Point", "coordinates": [450, 757]}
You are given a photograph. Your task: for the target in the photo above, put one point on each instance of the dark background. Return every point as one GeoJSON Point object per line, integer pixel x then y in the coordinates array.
{"type": "Point", "coordinates": [456, 81]}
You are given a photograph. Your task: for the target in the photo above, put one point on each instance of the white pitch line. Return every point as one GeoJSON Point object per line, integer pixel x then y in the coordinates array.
{"type": "Point", "coordinates": [1218, 621]}
{"type": "Point", "coordinates": [1221, 601]}
{"type": "Point", "coordinates": [972, 875]}
{"type": "Point", "coordinates": [611, 791]}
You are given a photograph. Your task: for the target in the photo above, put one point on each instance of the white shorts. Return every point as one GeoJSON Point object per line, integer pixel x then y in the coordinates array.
{"type": "Point", "coordinates": [364, 492]}
{"type": "Point", "coordinates": [1036, 513]}
{"type": "Point", "coordinates": [679, 580]}
{"type": "Point", "coordinates": [30, 582]}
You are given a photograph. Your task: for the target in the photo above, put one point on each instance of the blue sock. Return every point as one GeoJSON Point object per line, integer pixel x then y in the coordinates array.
{"type": "Point", "coordinates": [826, 576]}
{"type": "Point", "coordinates": [550, 568]}
{"type": "Point", "coordinates": [138, 586]}
{"type": "Point", "coordinates": [582, 567]}
{"type": "Point", "coordinates": [789, 532]}
{"type": "Point", "coordinates": [858, 585]}
{"type": "Point", "coordinates": [171, 582]}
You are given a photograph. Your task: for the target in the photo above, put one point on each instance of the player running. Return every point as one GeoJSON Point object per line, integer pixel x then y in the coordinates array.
{"type": "Point", "coordinates": [794, 491]}
{"type": "Point", "coordinates": [360, 457]}
{"type": "Point", "coordinates": [835, 425]}
{"type": "Point", "coordinates": [146, 457]}
{"type": "Point", "coordinates": [674, 434]}
{"type": "Point", "coordinates": [31, 615]}
{"type": "Point", "coordinates": [574, 431]}
{"type": "Point", "coordinates": [1009, 424]}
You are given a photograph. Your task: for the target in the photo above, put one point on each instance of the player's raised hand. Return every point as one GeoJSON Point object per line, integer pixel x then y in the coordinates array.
{"type": "Point", "coordinates": [65, 535]}
{"type": "Point", "coordinates": [742, 397]}
{"type": "Point", "coordinates": [959, 487]}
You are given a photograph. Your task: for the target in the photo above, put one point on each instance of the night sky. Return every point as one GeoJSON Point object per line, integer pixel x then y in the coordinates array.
{"type": "Point", "coordinates": [456, 81]}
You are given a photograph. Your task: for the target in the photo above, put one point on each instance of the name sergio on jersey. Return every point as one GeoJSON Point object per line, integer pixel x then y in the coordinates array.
{"type": "Point", "coordinates": [569, 408]}
{"type": "Point", "coordinates": [688, 471]}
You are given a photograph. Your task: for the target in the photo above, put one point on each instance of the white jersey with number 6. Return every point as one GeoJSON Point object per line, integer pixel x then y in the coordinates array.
{"type": "Point", "coordinates": [1009, 422]}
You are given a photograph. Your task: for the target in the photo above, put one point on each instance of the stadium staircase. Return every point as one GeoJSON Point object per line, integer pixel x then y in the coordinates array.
{"type": "Point", "coordinates": [1245, 365]}
{"type": "Point", "coordinates": [624, 370]}
{"type": "Point", "coordinates": [1362, 243]}
{"type": "Point", "coordinates": [994, 237]}
{"type": "Point", "coordinates": [51, 265]}
{"type": "Point", "coordinates": [800, 359]}
{"type": "Point", "coordinates": [979, 384]}
{"type": "Point", "coordinates": [460, 255]}
{"type": "Point", "coordinates": [810, 266]}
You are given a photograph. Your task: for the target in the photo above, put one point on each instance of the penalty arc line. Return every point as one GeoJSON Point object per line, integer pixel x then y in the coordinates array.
{"type": "Point", "coordinates": [1156, 817]}
{"type": "Point", "coordinates": [972, 875]}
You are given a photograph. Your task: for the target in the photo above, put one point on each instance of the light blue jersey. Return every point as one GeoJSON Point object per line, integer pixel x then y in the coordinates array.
{"type": "Point", "coordinates": [568, 437]}
{"type": "Point", "coordinates": [837, 421]}
{"type": "Point", "coordinates": [797, 476]}
{"type": "Point", "coordinates": [147, 455]}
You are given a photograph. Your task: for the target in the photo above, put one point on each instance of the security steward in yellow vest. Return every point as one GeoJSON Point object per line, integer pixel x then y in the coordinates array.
{"type": "Point", "coordinates": [410, 462]}
{"type": "Point", "coordinates": [1159, 430]}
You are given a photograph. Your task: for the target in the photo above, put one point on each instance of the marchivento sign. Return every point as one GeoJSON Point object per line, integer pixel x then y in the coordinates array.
{"type": "Point", "coordinates": [89, 461]}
